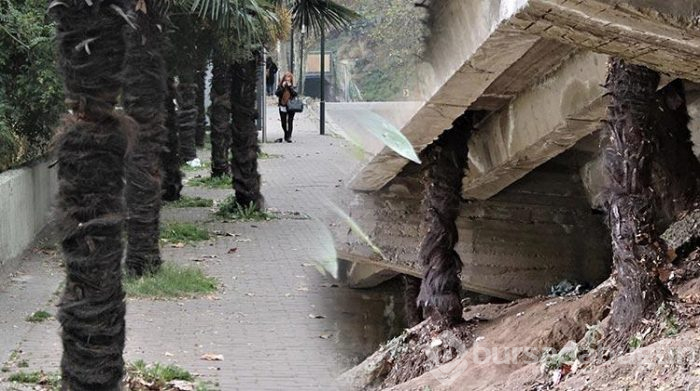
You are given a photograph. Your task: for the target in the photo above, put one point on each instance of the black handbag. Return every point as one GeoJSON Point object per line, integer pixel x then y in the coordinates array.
{"type": "Point", "coordinates": [295, 106]}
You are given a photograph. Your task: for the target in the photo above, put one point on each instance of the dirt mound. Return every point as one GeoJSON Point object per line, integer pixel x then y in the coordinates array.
{"type": "Point", "coordinates": [505, 338]}
{"type": "Point", "coordinates": [416, 351]}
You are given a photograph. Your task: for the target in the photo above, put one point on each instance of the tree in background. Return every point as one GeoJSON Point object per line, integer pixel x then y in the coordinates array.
{"type": "Point", "coordinates": [144, 98]}
{"type": "Point", "coordinates": [220, 114]}
{"type": "Point", "coordinates": [185, 29]}
{"type": "Point", "coordinates": [383, 55]}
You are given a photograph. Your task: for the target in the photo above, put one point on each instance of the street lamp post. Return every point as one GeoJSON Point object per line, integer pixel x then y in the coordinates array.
{"type": "Point", "coordinates": [323, 74]}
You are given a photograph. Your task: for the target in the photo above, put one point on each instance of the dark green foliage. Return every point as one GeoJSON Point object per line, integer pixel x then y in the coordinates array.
{"type": "Point", "coordinates": [191, 202]}
{"type": "Point", "coordinates": [231, 209]}
{"type": "Point", "coordinates": [38, 317]}
{"type": "Point", "coordinates": [30, 89]}
{"type": "Point", "coordinates": [183, 232]}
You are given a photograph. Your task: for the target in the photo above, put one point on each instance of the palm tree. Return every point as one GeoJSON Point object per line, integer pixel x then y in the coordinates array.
{"type": "Point", "coordinates": [244, 133]}
{"type": "Point", "coordinates": [170, 156]}
{"type": "Point", "coordinates": [220, 114]}
{"type": "Point", "coordinates": [318, 16]}
{"type": "Point", "coordinates": [186, 28]}
{"type": "Point", "coordinates": [91, 148]}
{"type": "Point", "coordinates": [144, 100]}
{"type": "Point", "coordinates": [637, 252]}
{"type": "Point", "coordinates": [203, 49]}
{"type": "Point", "coordinates": [245, 26]}
{"type": "Point", "coordinates": [444, 163]}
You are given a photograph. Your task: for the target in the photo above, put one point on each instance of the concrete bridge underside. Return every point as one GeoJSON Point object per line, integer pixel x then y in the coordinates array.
{"type": "Point", "coordinates": [535, 69]}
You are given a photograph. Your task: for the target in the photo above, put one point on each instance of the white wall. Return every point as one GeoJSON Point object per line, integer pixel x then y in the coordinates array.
{"type": "Point", "coordinates": [26, 198]}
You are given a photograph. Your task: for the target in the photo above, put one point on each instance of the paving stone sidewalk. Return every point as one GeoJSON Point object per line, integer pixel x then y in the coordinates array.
{"type": "Point", "coordinates": [279, 323]}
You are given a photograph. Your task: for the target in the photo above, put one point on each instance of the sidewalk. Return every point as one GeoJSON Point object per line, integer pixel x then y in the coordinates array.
{"type": "Point", "coordinates": [263, 320]}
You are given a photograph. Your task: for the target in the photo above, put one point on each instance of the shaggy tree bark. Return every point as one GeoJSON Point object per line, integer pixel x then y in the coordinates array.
{"type": "Point", "coordinates": [144, 100]}
{"type": "Point", "coordinates": [200, 78]}
{"type": "Point", "coordinates": [444, 163]}
{"type": "Point", "coordinates": [170, 158]}
{"type": "Point", "coordinates": [90, 210]}
{"type": "Point", "coordinates": [411, 290]}
{"type": "Point", "coordinates": [676, 170]}
{"type": "Point", "coordinates": [220, 116]}
{"type": "Point", "coordinates": [637, 251]}
{"type": "Point", "coordinates": [244, 135]}
{"type": "Point", "coordinates": [187, 119]}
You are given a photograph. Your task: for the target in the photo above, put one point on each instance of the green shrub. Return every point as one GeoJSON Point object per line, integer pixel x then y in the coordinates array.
{"type": "Point", "coordinates": [231, 209]}
{"type": "Point", "coordinates": [31, 95]}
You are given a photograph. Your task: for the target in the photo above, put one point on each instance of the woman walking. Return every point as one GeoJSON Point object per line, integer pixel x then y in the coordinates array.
{"type": "Point", "coordinates": [286, 92]}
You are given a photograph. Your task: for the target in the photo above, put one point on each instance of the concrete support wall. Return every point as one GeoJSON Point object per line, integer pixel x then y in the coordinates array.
{"type": "Point", "coordinates": [530, 236]}
{"type": "Point", "coordinates": [26, 198]}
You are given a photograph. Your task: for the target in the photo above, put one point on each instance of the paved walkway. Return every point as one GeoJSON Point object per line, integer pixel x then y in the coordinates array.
{"type": "Point", "coordinates": [279, 323]}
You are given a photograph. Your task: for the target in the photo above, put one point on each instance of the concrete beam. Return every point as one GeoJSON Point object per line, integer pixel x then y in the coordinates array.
{"type": "Point", "coordinates": [473, 48]}
{"type": "Point", "coordinates": [660, 34]}
{"type": "Point", "coordinates": [485, 54]}
{"type": "Point", "coordinates": [539, 124]}
{"type": "Point", "coordinates": [363, 275]}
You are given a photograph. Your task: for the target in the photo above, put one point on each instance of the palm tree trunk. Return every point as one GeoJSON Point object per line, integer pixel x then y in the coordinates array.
{"type": "Point", "coordinates": [413, 314]}
{"type": "Point", "coordinates": [90, 210]}
{"type": "Point", "coordinates": [201, 112]}
{"type": "Point", "coordinates": [677, 174]}
{"type": "Point", "coordinates": [444, 163]}
{"type": "Point", "coordinates": [187, 118]}
{"type": "Point", "coordinates": [637, 252]}
{"type": "Point", "coordinates": [244, 134]}
{"type": "Point", "coordinates": [170, 157]}
{"type": "Point", "coordinates": [220, 115]}
{"type": "Point", "coordinates": [144, 100]}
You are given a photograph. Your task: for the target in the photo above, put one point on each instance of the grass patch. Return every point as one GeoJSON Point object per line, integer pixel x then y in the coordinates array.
{"type": "Point", "coordinates": [158, 373]}
{"type": "Point", "coordinates": [38, 317]}
{"type": "Point", "coordinates": [183, 232]}
{"type": "Point", "coordinates": [51, 381]}
{"type": "Point", "coordinates": [264, 156]}
{"type": "Point", "coordinates": [191, 202]}
{"type": "Point", "coordinates": [159, 376]}
{"type": "Point", "coordinates": [171, 281]}
{"type": "Point", "coordinates": [230, 209]}
{"type": "Point", "coordinates": [222, 182]}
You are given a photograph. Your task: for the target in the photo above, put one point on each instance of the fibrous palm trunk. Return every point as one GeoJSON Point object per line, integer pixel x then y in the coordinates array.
{"type": "Point", "coordinates": [91, 149]}
{"type": "Point", "coordinates": [144, 100]}
{"type": "Point", "coordinates": [220, 116]}
{"type": "Point", "coordinates": [444, 163]}
{"type": "Point", "coordinates": [170, 158]}
{"type": "Point", "coordinates": [201, 112]}
{"type": "Point", "coordinates": [637, 252]}
{"type": "Point", "coordinates": [677, 171]}
{"type": "Point", "coordinates": [244, 134]}
{"type": "Point", "coordinates": [187, 119]}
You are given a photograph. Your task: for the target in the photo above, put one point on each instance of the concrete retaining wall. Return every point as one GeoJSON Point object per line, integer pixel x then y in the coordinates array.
{"type": "Point", "coordinates": [26, 198]}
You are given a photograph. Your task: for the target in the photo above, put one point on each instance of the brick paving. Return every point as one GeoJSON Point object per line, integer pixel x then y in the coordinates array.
{"type": "Point", "coordinates": [279, 320]}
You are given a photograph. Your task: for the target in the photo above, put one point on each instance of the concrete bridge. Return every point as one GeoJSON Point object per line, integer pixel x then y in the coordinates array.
{"type": "Point", "coordinates": [535, 69]}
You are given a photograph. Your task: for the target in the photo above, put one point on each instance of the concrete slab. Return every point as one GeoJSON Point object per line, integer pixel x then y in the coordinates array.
{"type": "Point", "coordinates": [540, 123]}
{"type": "Point", "coordinates": [484, 71]}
